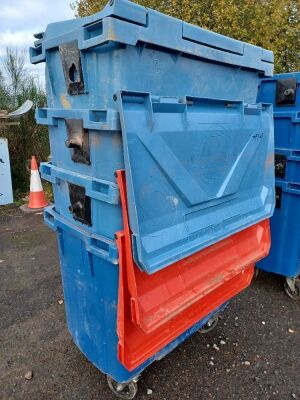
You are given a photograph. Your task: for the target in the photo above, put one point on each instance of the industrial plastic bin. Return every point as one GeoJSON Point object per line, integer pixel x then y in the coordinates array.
{"type": "Point", "coordinates": [207, 163]}
{"type": "Point", "coordinates": [163, 177]}
{"type": "Point", "coordinates": [283, 91]}
{"type": "Point", "coordinates": [130, 47]}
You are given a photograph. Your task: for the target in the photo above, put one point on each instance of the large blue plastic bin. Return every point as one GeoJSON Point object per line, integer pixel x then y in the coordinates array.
{"type": "Point", "coordinates": [130, 47]}
{"type": "Point", "coordinates": [90, 275]}
{"type": "Point", "coordinates": [283, 91]}
{"type": "Point", "coordinates": [198, 170]}
{"type": "Point", "coordinates": [284, 258]}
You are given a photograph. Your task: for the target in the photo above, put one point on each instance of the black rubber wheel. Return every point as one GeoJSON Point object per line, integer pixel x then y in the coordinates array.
{"type": "Point", "coordinates": [210, 325]}
{"type": "Point", "coordinates": [126, 391]}
{"type": "Point", "coordinates": [293, 294]}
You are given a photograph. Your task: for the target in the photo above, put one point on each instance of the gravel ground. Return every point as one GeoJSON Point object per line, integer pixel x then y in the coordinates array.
{"type": "Point", "coordinates": [259, 357]}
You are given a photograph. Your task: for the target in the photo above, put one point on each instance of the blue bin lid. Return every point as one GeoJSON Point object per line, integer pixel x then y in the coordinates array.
{"type": "Point", "coordinates": [197, 171]}
{"type": "Point", "coordinates": [125, 22]}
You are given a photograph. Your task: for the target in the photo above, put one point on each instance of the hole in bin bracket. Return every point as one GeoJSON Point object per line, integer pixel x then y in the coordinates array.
{"type": "Point", "coordinates": [71, 61]}
{"type": "Point", "coordinates": [280, 165]}
{"type": "Point", "coordinates": [80, 204]}
{"type": "Point", "coordinates": [286, 92]}
{"type": "Point", "coordinates": [278, 196]}
{"type": "Point", "coordinates": [73, 73]}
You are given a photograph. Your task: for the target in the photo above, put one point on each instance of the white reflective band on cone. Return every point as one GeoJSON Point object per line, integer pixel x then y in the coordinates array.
{"type": "Point", "coordinates": [35, 182]}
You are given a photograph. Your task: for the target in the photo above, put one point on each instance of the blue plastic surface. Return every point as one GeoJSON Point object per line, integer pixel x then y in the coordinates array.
{"type": "Point", "coordinates": [267, 92]}
{"type": "Point", "coordinates": [105, 140]}
{"type": "Point", "coordinates": [90, 273]}
{"type": "Point", "coordinates": [197, 171]}
{"type": "Point", "coordinates": [106, 213]}
{"type": "Point", "coordinates": [292, 166]}
{"type": "Point", "coordinates": [286, 116]}
{"type": "Point", "coordinates": [287, 130]}
{"type": "Point", "coordinates": [284, 258]}
{"type": "Point", "coordinates": [129, 47]}
{"type": "Point", "coordinates": [6, 191]}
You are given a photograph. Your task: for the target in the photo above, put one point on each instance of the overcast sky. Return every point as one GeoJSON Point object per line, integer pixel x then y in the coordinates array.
{"type": "Point", "coordinates": [20, 19]}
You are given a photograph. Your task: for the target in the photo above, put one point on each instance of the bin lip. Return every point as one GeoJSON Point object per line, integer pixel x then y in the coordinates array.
{"type": "Point", "coordinates": [285, 75]}
{"type": "Point", "coordinates": [140, 24]}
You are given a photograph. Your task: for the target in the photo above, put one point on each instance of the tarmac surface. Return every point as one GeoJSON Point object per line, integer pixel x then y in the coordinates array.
{"type": "Point", "coordinates": [258, 337]}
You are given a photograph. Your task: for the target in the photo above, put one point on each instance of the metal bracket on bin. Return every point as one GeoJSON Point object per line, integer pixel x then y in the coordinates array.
{"type": "Point", "coordinates": [80, 204]}
{"type": "Point", "coordinates": [286, 92]}
{"type": "Point", "coordinates": [280, 165]}
{"type": "Point", "coordinates": [78, 141]}
{"type": "Point", "coordinates": [71, 61]}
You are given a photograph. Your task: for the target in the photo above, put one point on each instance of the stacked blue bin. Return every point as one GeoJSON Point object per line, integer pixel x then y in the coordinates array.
{"type": "Point", "coordinates": [283, 91]}
{"type": "Point", "coordinates": [132, 89]}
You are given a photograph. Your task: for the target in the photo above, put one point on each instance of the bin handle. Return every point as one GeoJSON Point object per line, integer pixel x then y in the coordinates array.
{"type": "Point", "coordinates": [108, 253]}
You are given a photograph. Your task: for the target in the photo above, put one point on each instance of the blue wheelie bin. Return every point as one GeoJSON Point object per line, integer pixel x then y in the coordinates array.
{"type": "Point", "coordinates": [163, 179]}
{"type": "Point", "coordinates": [283, 91]}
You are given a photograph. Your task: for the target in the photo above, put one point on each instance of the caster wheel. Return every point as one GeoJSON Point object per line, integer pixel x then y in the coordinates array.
{"type": "Point", "coordinates": [210, 325]}
{"type": "Point", "coordinates": [292, 288]}
{"type": "Point", "coordinates": [126, 391]}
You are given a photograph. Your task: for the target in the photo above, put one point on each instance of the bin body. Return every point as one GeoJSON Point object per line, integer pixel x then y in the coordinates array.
{"type": "Point", "coordinates": [287, 130]}
{"type": "Point", "coordinates": [97, 301]}
{"type": "Point", "coordinates": [163, 178]}
{"type": "Point", "coordinates": [283, 91]}
{"type": "Point", "coordinates": [90, 276]}
{"type": "Point", "coordinates": [285, 230]}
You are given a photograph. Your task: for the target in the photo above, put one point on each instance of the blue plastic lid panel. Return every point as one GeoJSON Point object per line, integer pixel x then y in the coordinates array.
{"type": "Point", "coordinates": [128, 23]}
{"type": "Point", "coordinates": [197, 171]}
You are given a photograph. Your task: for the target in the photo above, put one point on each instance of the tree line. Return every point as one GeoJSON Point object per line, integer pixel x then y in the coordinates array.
{"type": "Point", "coordinates": [271, 24]}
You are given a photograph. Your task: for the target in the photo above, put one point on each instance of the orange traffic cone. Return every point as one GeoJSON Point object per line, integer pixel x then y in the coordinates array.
{"type": "Point", "coordinates": [37, 199]}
